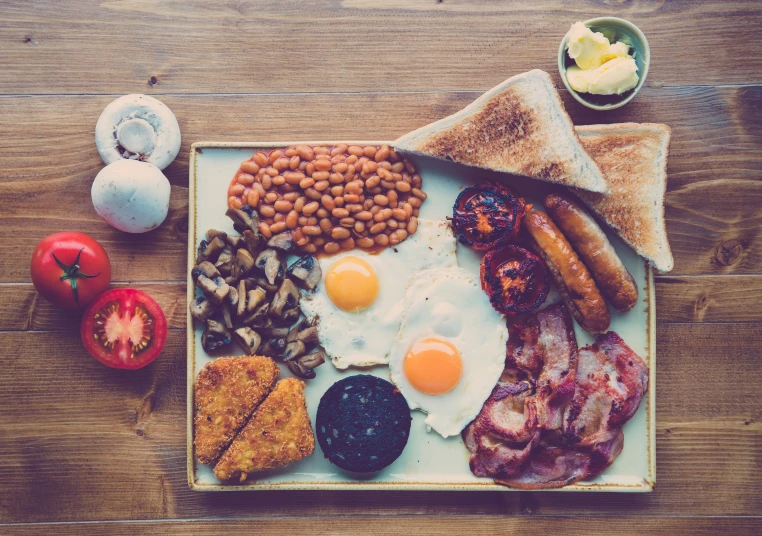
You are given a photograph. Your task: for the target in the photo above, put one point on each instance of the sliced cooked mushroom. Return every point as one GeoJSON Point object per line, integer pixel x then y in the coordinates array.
{"type": "Point", "coordinates": [245, 260]}
{"type": "Point", "coordinates": [227, 314]}
{"type": "Point", "coordinates": [294, 331]}
{"type": "Point", "coordinates": [206, 268]}
{"type": "Point", "coordinates": [289, 316]}
{"type": "Point", "coordinates": [261, 281]}
{"type": "Point", "coordinates": [213, 249]}
{"type": "Point", "coordinates": [200, 251]}
{"type": "Point", "coordinates": [214, 289]}
{"type": "Point", "coordinates": [232, 297]}
{"type": "Point", "coordinates": [286, 298]}
{"type": "Point", "coordinates": [278, 333]}
{"type": "Point", "coordinates": [215, 336]}
{"type": "Point", "coordinates": [201, 308]}
{"type": "Point", "coordinates": [274, 347]}
{"type": "Point", "coordinates": [306, 271]}
{"type": "Point", "coordinates": [262, 324]}
{"type": "Point", "coordinates": [308, 335]}
{"type": "Point", "coordinates": [303, 366]}
{"type": "Point", "coordinates": [281, 241]}
{"type": "Point", "coordinates": [241, 298]}
{"type": "Point", "coordinates": [269, 262]}
{"type": "Point", "coordinates": [234, 241]}
{"type": "Point", "coordinates": [211, 234]}
{"type": "Point", "coordinates": [254, 298]}
{"type": "Point", "coordinates": [293, 350]}
{"type": "Point", "coordinates": [251, 239]}
{"type": "Point", "coordinates": [242, 220]}
{"type": "Point", "coordinates": [235, 274]}
{"type": "Point", "coordinates": [225, 260]}
{"type": "Point", "coordinates": [259, 314]}
{"type": "Point", "coordinates": [248, 339]}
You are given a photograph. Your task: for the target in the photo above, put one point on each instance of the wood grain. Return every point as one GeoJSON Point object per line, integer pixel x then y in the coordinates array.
{"type": "Point", "coordinates": [179, 46]}
{"type": "Point", "coordinates": [713, 203]}
{"type": "Point", "coordinates": [79, 441]}
{"type": "Point", "coordinates": [419, 525]}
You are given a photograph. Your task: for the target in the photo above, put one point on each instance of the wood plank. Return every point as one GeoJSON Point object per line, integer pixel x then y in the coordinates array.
{"type": "Point", "coordinates": [79, 441]}
{"type": "Point", "coordinates": [135, 46]}
{"type": "Point", "coordinates": [678, 299]}
{"type": "Point", "coordinates": [48, 160]}
{"type": "Point", "coordinates": [419, 525]}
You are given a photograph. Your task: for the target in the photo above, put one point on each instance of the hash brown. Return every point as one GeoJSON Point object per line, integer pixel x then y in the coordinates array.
{"type": "Point", "coordinates": [228, 390]}
{"type": "Point", "coordinates": [278, 434]}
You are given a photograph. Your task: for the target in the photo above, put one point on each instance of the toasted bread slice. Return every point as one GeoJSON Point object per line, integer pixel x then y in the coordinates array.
{"type": "Point", "coordinates": [228, 390]}
{"type": "Point", "coordinates": [634, 158]}
{"type": "Point", "coordinates": [277, 434]}
{"type": "Point", "coordinates": [518, 127]}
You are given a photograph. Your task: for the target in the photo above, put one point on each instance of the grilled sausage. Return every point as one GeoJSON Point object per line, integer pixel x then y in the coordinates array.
{"type": "Point", "coordinates": [575, 284]}
{"type": "Point", "coordinates": [590, 242]}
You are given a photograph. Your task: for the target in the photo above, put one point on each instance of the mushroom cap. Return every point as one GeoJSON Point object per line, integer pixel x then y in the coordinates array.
{"type": "Point", "coordinates": [131, 196]}
{"type": "Point", "coordinates": [138, 127]}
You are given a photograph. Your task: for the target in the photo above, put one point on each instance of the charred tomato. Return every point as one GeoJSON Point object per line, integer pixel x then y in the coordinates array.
{"type": "Point", "coordinates": [515, 279]}
{"type": "Point", "coordinates": [487, 215]}
{"type": "Point", "coordinates": [124, 328]}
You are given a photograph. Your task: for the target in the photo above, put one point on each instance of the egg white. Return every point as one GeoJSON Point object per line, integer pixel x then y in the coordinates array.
{"type": "Point", "coordinates": [364, 338]}
{"type": "Point", "coordinates": [449, 304]}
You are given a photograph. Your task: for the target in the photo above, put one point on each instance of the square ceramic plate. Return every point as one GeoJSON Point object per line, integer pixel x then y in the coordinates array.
{"type": "Point", "coordinates": [429, 462]}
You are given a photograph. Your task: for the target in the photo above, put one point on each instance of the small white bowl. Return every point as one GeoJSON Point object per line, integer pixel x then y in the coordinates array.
{"type": "Point", "coordinates": [626, 32]}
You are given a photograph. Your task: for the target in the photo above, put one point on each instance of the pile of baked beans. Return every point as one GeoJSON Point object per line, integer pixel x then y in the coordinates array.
{"type": "Point", "coordinates": [331, 198]}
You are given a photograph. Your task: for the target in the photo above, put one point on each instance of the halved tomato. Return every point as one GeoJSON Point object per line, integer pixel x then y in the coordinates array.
{"type": "Point", "coordinates": [487, 215]}
{"type": "Point", "coordinates": [515, 280]}
{"type": "Point", "coordinates": [124, 328]}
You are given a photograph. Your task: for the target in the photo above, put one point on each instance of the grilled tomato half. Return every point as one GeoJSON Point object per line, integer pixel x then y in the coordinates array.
{"type": "Point", "coordinates": [124, 328]}
{"type": "Point", "coordinates": [515, 279]}
{"type": "Point", "coordinates": [487, 215]}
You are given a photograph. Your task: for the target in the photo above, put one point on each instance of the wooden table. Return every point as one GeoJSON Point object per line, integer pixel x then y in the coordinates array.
{"type": "Point", "coordinates": [89, 450]}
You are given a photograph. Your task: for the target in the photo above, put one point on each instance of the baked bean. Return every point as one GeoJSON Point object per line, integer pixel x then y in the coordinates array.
{"type": "Point", "coordinates": [382, 154]}
{"type": "Point", "coordinates": [301, 242]}
{"type": "Point", "coordinates": [358, 226]}
{"type": "Point", "coordinates": [267, 182]}
{"type": "Point", "coordinates": [321, 175]}
{"type": "Point", "coordinates": [341, 167]}
{"type": "Point", "coordinates": [235, 202]}
{"type": "Point", "coordinates": [397, 236]}
{"type": "Point", "coordinates": [341, 148]}
{"type": "Point", "coordinates": [340, 213]}
{"type": "Point", "coordinates": [313, 194]}
{"type": "Point", "coordinates": [408, 208]}
{"type": "Point", "coordinates": [412, 225]}
{"type": "Point", "coordinates": [326, 225]}
{"type": "Point", "coordinates": [279, 217]}
{"type": "Point", "coordinates": [367, 204]}
{"type": "Point", "coordinates": [279, 180]}
{"type": "Point", "coordinates": [267, 211]}
{"type": "Point", "coordinates": [290, 151]}
{"type": "Point", "coordinates": [365, 242]}
{"type": "Point", "coordinates": [347, 222]}
{"type": "Point", "coordinates": [299, 203]}
{"type": "Point", "coordinates": [416, 212]}
{"type": "Point", "coordinates": [375, 209]}
{"type": "Point", "coordinates": [392, 224]}
{"type": "Point", "coordinates": [322, 165]}
{"type": "Point", "coordinates": [236, 189]}
{"type": "Point", "coordinates": [369, 151]}
{"type": "Point", "coordinates": [381, 200]}
{"type": "Point", "coordinates": [258, 188]}
{"type": "Point", "coordinates": [382, 215]}
{"type": "Point", "coordinates": [294, 177]}
{"type": "Point", "coordinates": [381, 239]}
{"type": "Point", "coordinates": [337, 190]}
{"type": "Point", "coordinates": [264, 229]}
{"type": "Point", "coordinates": [355, 150]}
{"type": "Point", "coordinates": [419, 194]}
{"type": "Point", "coordinates": [336, 178]}
{"type": "Point", "coordinates": [409, 166]}
{"type": "Point", "coordinates": [352, 198]}
{"type": "Point", "coordinates": [400, 176]}
{"type": "Point", "coordinates": [398, 167]}
{"type": "Point", "coordinates": [387, 185]}
{"type": "Point", "coordinates": [354, 187]}
{"type": "Point", "coordinates": [311, 230]}
{"type": "Point", "coordinates": [260, 159]}
{"type": "Point", "coordinates": [402, 186]}
{"type": "Point", "coordinates": [306, 183]}
{"type": "Point", "coordinates": [391, 195]}
{"type": "Point", "coordinates": [310, 248]}
{"type": "Point", "coordinates": [321, 185]}
{"type": "Point", "coordinates": [318, 241]}
{"type": "Point", "coordinates": [291, 196]}
{"type": "Point", "coordinates": [372, 181]}
{"type": "Point", "coordinates": [278, 227]}
{"type": "Point", "coordinates": [274, 155]}
{"type": "Point", "coordinates": [245, 179]}
{"type": "Point", "coordinates": [384, 174]}
{"type": "Point", "coordinates": [347, 243]}
{"type": "Point", "coordinates": [385, 165]}
{"type": "Point", "coordinates": [281, 164]}
{"type": "Point", "coordinates": [321, 151]}
{"type": "Point", "coordinates": [291, 219]}
{"type": "Point", "coordinates": [321, 213]}
{"type": "Point", "coordinates": [302, 220]}
{"type": "Point", "coordinates": [369, 167]}
{"type": "Point", "coordinates": [338, 201]}
{"type": "Point", "coordinates": [415, 202]}
{"type": "Point", "coordinates": [328, 202]}
{"type": "Point", "coordinates": [309, 208]}
{"type": "Point", "coordinates": [331, 247]}
{"type": "Point", "coordinates": [399, 214]}
{"type": "Point", "coordinates": [294, 162]}
{"type": "Point", "coordinates": [339, 233]}
{"type": "Point", "coordinates": [253, 198]}
{"type": "Point", "coordinates": [269, 221]}
{"type": "Point", "coordinates": [417, 181]}
{"type": "Point", "coordinates": [305, 152]}
{"type": "Point", "coordinates": [377, 227]}
{"type": "Point", "coordinates": [309, 169]}
{"type": "Point", "coordinates": [312, 220]}
{"type": "Point", "coordinates": [303, 166]}
{"type": "Point", "coordinates": [271, 197]}
{"type": "Point", "coordinates": [364, 215]}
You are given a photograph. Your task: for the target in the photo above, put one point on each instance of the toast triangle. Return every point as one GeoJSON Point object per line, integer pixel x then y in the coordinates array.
{"type": "Point", "coordinates": [633, 157]}
{"type": "Point", "coordinates": [519, 127]}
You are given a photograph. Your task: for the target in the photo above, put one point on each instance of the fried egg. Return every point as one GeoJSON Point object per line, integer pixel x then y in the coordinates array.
{"type": "Point", "coordinates": [449, 351]}
{"type": "Point", "coordinates": [358, 304]}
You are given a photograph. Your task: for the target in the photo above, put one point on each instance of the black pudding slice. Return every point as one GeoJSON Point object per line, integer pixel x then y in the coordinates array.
{"type": "Point", "coordinates": [363, 423]}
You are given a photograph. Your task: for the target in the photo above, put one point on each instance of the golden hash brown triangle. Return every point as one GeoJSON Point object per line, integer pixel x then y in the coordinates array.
{"type": "Point", "coordinates": [228, 390]}
{"type": "Point", "coordinates": [277, 434]}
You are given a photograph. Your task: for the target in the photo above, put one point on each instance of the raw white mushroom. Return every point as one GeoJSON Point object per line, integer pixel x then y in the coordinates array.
{"type": "Point", "coordinates": [131, 196]}
{"type": "Point", "coordinates": [138, 127]}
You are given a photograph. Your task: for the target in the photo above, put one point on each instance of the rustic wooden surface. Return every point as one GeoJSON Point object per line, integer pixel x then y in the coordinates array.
{"type": "Point", "coordinates": [88, 450]}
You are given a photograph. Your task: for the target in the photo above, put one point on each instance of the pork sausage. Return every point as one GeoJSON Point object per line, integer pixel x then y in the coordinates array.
{"type": "Point", "coordinates": [575, 284]}
{"type": "Point", "coordinates": [590, 242]}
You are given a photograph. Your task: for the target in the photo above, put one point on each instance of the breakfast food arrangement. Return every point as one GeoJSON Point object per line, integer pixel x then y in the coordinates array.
{"type": "Point", "coordinates": [468, 307]}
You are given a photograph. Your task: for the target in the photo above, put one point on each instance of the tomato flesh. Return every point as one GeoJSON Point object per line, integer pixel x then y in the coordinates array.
{"type": "Point", "coordinates": [487, 215]}
{"type": "Point", "coordinates": [515, 279]}
{"type": "Point", "coordinates": [124, 328]}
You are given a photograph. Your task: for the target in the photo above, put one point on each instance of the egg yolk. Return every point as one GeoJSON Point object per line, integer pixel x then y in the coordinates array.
{"type": "Point", "coordinates": [351, 284]}
{"type": "Point", "coordinates": [433, 366]}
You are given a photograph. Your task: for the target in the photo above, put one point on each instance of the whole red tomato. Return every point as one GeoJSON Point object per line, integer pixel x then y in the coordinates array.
{"type": "Point", "coordinates": [70, 269]}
